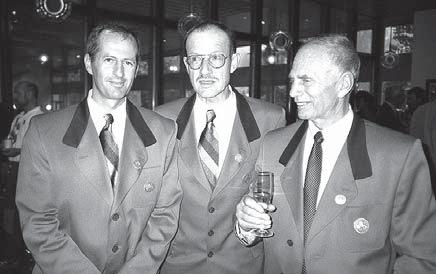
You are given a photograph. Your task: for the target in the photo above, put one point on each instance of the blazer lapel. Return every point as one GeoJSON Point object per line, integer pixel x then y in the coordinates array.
{"type": "Point", "coordinates": [137, 137]}
{"type": "Point", "coordinates": [291, 181]}
{"type": "Point", "coordinates": [353, 164]}
{"type": "Point", "coordinates": [238, 151]}
{"type": "Point", "coordinates": [291, 178]}
{"type": "Point", "coordinates": [341, 182]}
{"type": "Point", "coordinates": [81, 134]}
{"type": "Point", "coordinates": [189, 154]}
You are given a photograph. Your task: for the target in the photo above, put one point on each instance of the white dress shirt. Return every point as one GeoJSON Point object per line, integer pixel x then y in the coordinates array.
{"type": "Point", "coordinates": [119, 114]}
{"type": "Point", "coordinates": [334, 139]}
{"type": "Point", "coordinates": [19, 127]}
{"type": "Point", "coordinates": [225, 112]}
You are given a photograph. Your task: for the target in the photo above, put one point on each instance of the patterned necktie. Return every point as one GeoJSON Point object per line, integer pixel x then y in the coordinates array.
{"type": "Point", "coordinates": [311, 185]}
{"type": "Point", "coordinates": [208, 150]}
{"type": "Point", "coordinates": [110, 148]}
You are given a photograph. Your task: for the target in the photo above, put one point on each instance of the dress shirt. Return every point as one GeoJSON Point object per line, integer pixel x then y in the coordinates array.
{"type": "Point", "coordinates": [225, 112]}
{"type": "Point", "coordinates": [19, 126]}
{"type": "Point", "coordinates": [334, 139]}
{"type": "Point", "coordinates": [119, 114]}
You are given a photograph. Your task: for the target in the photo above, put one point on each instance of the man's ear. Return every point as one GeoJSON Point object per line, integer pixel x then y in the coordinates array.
{"type": "Point", "coordinates": [236, 57]}
{"type": "Point", "coordinates": [87, 61]}
{"type": "Point", "coordinates": [185, 61]}
{"type": "Point", "coordinates": [345, 84]}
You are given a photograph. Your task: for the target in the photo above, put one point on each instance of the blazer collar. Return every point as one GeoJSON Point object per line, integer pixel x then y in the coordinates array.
{"type": "Point", "coordinates": [80, 119]}
{"type": "Point", "coordinates": [356, 148]}
{"type": "Point", "coordinates": [246, 116]}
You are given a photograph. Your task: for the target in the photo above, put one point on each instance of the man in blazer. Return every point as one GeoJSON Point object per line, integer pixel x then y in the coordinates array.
{"type": "Point", "coordinates": [205, 242]}
{"type": "Point", "coordinates": [423, 126]}
{"type": "Point", "coordinates": [100, 206]}
{"type": "Point", "coordinates": [372, 210]}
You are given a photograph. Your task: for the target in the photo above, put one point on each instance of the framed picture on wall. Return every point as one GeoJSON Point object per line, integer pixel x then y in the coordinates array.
{"type": "Point", "coordinates": [431, 89]}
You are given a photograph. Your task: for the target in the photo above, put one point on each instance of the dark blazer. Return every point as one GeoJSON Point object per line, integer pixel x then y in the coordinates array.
{"type": "Point", "coordinates": [377, 213]}
{"type": "Point", "coordinates": [72, 219]}
{"type": "Point", "coordinates": [205, 241]}
{"type": "Point", "coordinates": [423, 126]}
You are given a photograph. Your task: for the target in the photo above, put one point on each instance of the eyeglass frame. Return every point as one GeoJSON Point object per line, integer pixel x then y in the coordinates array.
{"type": "Point", "coordinates": [203, 56]}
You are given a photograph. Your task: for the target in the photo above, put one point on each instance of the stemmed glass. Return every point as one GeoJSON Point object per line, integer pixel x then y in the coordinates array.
{"type": "Point", "coordinates": [263, 189]}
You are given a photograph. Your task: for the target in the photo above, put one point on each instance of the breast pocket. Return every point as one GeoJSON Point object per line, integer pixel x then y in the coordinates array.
{"type": "Point", "coordinates": [146, 190]}
{"type": "Point", "coordinates": [364, 228]}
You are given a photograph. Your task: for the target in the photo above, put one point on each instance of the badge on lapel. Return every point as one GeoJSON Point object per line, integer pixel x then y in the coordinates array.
{"type": "Point", "coordinates": [361, 225]}
{"type": "Point", "coordinates": [238, 158]}
{"type": "Point", "coordinates": [149, 186]}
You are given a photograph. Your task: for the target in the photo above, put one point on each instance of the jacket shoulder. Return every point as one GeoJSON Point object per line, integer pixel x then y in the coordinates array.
{"type": "Point", "coordinates": [171, 109]}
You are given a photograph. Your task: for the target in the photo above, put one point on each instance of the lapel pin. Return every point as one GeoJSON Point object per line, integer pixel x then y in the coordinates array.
{"type": "Point", "coordinates": [137, 164]}
{"type": "Point", "coordinates": [238, 158]}
{"type": "Point", "coordinates": [148, 186]}
{"type": "Point", "coordinates": [340, 199]}
{"type": "Point", "coordinates": [361, 225]}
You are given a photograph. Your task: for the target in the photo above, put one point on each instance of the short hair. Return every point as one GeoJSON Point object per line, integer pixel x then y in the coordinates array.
{"type": "Point", "coordinates": [340, 49]}
{"type": "Point", "coordinates": [29, 87]}
{"type": "Point", "coordinates": [212, 25]}
{"type": "Point", "coordinates": [93, 42]}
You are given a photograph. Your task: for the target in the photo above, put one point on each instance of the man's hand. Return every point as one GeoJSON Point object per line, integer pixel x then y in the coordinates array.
{"type": "Point", "coordinates": [252, 215]}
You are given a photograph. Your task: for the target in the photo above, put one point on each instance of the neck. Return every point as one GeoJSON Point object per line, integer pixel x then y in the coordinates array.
{"type": "Point", "coordinates": [332, 118]}
{"type": "Point", "coordinates": [221, 97]}
{"type": "Point", "coordinates": [107, 104]}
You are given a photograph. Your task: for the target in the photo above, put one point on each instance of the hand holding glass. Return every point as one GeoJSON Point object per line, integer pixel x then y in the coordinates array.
{"type": "Point", "coordinates": [262, 192]}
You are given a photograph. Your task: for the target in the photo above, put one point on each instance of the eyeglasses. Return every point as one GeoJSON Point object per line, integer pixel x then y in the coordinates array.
{"type": "Point", "coordinates": [215, 60]}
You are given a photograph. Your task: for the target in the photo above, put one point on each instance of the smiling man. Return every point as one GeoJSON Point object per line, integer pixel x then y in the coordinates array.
{"type": "Point", "coordinates": [97, 185]}
{"type": "Point", "coordinates": [351, 196]}
{"type": "Point", "coordinates": [219, 133]}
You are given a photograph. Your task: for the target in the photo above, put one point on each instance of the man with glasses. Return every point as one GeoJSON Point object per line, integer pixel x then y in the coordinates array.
{"type": "Point", "coordinates": [219, 133]}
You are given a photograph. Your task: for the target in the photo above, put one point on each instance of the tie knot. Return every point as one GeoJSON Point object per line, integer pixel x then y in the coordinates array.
{"type": "Point", "coordinates": [318, 137]}
{"type": "Point", "coordinates": [109, 119]}
{"type": "Point", "coordinates": [210, 115]}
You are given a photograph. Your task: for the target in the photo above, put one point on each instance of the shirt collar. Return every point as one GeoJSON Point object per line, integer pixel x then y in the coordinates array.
{"type": "Point", "coordinates": [342, 126]}
{"type": "Point", "coordinates": [97, 112]}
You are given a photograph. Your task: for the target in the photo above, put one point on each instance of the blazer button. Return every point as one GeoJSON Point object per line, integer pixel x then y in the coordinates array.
{"type": "Point", "coordinates": [115, 217]}
{"type": "Point", "coordinates": [211, 209]}
{"type": "Point", "coordinates": [290, 242]}
{"type": "Point", "coordinates": [149, 187]}
{"type": "Point", "coordinates": [210, 233]}
{"type": "Point", "coordinates": [115, 248]}
{"type": "Point", "coordinates": [210, 254]}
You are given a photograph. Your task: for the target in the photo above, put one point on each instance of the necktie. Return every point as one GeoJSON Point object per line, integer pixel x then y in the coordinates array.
{"type": "Point", "coordinates": [110, 148]}
{"type": "Point", "coordinates": [208, 150]}
{"type": "Point", "coordinates": [311, 185]}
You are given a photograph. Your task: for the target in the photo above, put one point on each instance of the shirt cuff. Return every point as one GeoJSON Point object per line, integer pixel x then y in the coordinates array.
{"type": "Point", "coordinates": [247, 238]}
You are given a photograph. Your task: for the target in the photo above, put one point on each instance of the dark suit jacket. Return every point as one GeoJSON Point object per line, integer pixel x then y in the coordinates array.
{"type": "Point", "coordinates": [72, 219]}
{"type": "Point", "coordinates": [380, 180]}
{"type": "Point", "coordinates": [205, 242]}
{"type": "Point", "coordinates": [423, 126]}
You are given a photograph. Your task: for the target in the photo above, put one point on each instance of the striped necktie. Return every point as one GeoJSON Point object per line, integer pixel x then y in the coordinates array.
{"type": "Point", "coordinates": [110, 148]}
{"type": "Point", "coordinates": [208, 150]}
{"type": "Point", "coordinates": [311, 185]}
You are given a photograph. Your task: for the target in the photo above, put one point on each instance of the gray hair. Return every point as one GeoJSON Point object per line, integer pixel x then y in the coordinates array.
{"type": "Point", "coordinates": [340, 49]}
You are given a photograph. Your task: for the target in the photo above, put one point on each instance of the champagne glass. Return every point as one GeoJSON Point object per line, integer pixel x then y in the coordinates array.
{"type": "Point", "coordinates": [262, 192]}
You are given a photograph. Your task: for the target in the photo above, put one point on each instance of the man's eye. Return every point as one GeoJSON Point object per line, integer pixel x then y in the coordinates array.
{"type": "Point", "coordinates": [108, 60]}
{"type": "Point", "coordinates": [129, 63]}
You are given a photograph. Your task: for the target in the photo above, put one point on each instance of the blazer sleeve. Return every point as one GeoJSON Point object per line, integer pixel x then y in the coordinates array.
{"type": "Point", "coordinates": [163, 222]}
{"type": "Point", "coordinates": [413, 225]}
{"type": "Point", "coordinates": [53, 250]}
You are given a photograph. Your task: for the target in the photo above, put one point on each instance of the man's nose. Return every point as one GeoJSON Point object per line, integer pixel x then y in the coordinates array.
{"type": "Point", "coordinates": [205, 67]}
{"type": "Point", "coordinates": [119, 69]}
